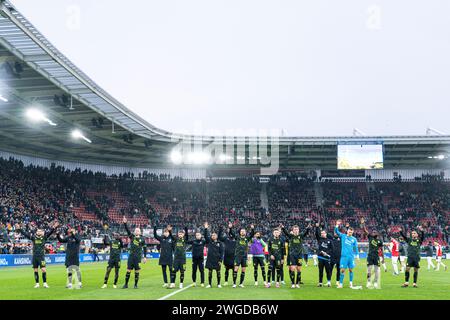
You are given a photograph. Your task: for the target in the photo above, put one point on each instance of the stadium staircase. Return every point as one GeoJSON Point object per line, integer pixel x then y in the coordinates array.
{"type": "Point", "coordinates": [264, 197]}
{"type": "Point", "coordinates": [318, 191]}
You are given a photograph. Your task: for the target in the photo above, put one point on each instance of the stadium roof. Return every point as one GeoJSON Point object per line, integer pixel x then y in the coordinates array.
{"type": "Point", "coordinates": [34, 73]}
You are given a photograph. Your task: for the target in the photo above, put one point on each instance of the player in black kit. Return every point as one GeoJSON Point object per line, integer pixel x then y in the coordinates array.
{"type": "Point", "coordinates": [198, 257]}
{"type": "Point", "coordinates": [166, 242]}
{"type": "Point", "coordinates": [373, 259]}
{"type": "Point", "coordinates": [324, 254]}
{"type": "Point", "coordinates": [240, 253]}
{"type": "Point", "coordinates": [336, 257]}
{"type": "Point", "coordinates": [413, 261]}
{"type": "Point", "coordinates": [137, 249]}
{"type": "Point", "coordinates": [230, 247]}
{"type": "Point", "coordinates": [38, 260]}
{"type": "Point", "coordinates": [214, 257]}
{"type": "Point", "coordinates": [179, 259]}
{"type": "Point", "coordinates": [295, 240]}
{"type": "Point", "coordinates": [276, 258]}
{"type": "Point", "coordinates": [115, 250]}
{"type": "Point", "coordinates": [72, 263]}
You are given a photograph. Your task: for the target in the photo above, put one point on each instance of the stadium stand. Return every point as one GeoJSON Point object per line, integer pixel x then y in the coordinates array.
{"type": "Point", "coordinates": [35, 196]}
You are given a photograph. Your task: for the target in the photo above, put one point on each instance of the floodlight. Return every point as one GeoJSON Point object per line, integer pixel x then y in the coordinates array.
{"type": "Point", "coordinates": [77, 134]}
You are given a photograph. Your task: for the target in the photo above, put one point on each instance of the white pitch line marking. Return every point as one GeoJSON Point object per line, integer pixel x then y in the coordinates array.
{"type": "Point", "coordinates": [175, 292]}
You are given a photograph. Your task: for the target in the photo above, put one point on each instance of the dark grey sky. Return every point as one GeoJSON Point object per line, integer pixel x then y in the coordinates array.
{"type": "Point", "coordinates": [309, 67]}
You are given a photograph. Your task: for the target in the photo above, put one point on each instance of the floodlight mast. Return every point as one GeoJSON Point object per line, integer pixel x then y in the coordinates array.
{"type": "Point", "coordinates": [431, 131]}
{"type": "Point", "coordinates": [357, 132]}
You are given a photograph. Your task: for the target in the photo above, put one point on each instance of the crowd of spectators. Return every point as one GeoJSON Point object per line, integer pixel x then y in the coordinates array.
{"type": "Point", "coordinates": [36, 196]}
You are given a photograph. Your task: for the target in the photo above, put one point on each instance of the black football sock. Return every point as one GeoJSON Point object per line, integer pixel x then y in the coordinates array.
{"type": "Point", "coordinates": [108, 270]}
{"type": "Point", "coordinates": [127, 277]}
{"type": "Point", "coordinates": [36, 277]}
{"type": "Point", "coordinates": [210, 277]}
{"type": "Point", "coordinates": [234, 276]}
{"type": "Point", "coordinates": [194, 273]}
{"type": "Point", "coordinates": [44, 277]}
{"type": "Point", "coordinates": [292, 276]}
{"type": "Point", "coordinates": [202, 274]}
{"type": "Point", "coordinates": [116, 276]}
{"type": "Point", "coordinates": [136, 278]}
{"type": "Point", "coordinates": [299, 277]}
{"type": "Point", "coordinates": [416, 274]}
{"type": "Point", "coordinates": [181, 276]}
{"type": "Point", "coordinates": [164, 272]}
{"type": "Point", "coordinates": [406, 276]}
{"type": "Point", "coordinates": [242, 277]}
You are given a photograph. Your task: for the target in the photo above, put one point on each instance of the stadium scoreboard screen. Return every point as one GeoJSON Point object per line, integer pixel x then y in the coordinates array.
{"type": "Point", "coordinates": [360, 156]}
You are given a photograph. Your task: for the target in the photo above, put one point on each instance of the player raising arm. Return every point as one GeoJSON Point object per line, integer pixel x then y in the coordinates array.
{"type": "Point", "coordinates": [295, 240]}
{"type": "Point", "coordinates": [276, 257]}
{"type": "Point", "coordinates": [166, 242]}
{"type": "Point", "coordinates": [115, 250]}
{"type": "Point", "coordinates": [198, 257]}
{"type": "Point", "coordinates": [257, 251]}
{"type": "Point", "coordinates": [38, 260]}
{"type": "Point", "coordinates": [241, 252]}
{"type": "Point", "coordinates": [373, 259]}
{"type": "Point", "coordinates": [230, 247]}
{"type": "Point", "coordinates": [215, 255]}
{"type": "Point", "coordinates": [179, 259]}
{"type": "Point", "coordinates": [349, 249]}
{"type": "Point", "coordinates": [72, 240]}
{"type": "Point", "coordinates": [137, 249]}
{"type": "Point", "coordinates": [414, 243]}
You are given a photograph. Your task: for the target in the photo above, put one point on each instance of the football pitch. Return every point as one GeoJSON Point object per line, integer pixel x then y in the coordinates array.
{"type": "Point", "coordinates": [17, 284]}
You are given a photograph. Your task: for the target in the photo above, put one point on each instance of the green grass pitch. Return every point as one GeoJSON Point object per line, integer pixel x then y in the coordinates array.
{"type": "Point", "coordinates": [17, 283]}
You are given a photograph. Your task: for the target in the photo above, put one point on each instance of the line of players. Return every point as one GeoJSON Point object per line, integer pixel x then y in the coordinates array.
{"type": "Point", "coordinates": [225, 247]}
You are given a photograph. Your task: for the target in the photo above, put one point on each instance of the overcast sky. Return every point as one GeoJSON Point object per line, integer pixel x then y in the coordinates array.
{"type": "Point", "coordinates": [309, 67]}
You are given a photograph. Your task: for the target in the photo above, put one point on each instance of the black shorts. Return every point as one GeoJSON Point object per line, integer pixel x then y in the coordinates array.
{"type": "Point", "coordinates": [228, 261]}
{"type": "Point", "coordinates": [133, 263]}
{"type": "Point", "coordinates": [373, 261]}
{"type": "Point", "coordinates": [240, 261]}
{"type": "Point", "coordinates": [275, 264]}
{"type": "Point", "coordinates": [39, 262]}
{"type": "Point", "coordinates": [413, 262]}
{"type": "Point", "coordinates": [165, 261]}
{"type": "Point", "coordinates": [198, 261]}
{"type": "Point", "coordinates": [213, 265]}
{"type": "Point", "coordinates": [258, 261]}
{"type": "Point", "coordinates": [228, 265]}
{"type": "Point", "coordinates": [295, 260]}
{"type": "Point", "coordinates": [114, 263]}
{"type": "Point", "coordinates": [179, 266]}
